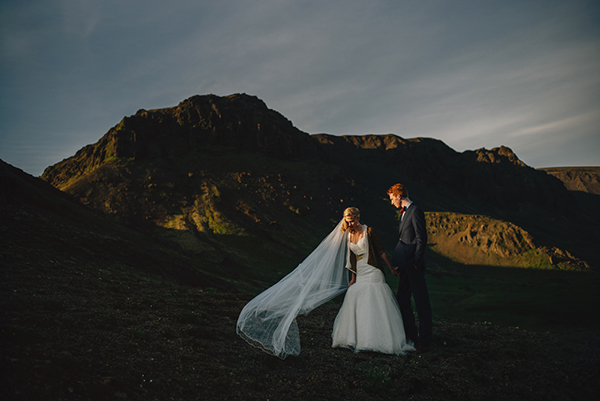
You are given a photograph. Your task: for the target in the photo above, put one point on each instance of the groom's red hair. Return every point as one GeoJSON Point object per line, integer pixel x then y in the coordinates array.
{"type": "Point", "coordinates": [398, 190]}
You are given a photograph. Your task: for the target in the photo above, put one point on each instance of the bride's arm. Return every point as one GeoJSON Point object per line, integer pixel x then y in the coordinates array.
{"type": "Point", "coordinates": [379, 249]}
{"type": "Point", "coordinates": [387, 262]}
{"type": "Point", "coordinates": [353, 279]}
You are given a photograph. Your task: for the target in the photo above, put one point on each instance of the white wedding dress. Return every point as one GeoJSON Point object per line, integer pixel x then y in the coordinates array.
{"type": "Point", "coordinates": [369, 319]}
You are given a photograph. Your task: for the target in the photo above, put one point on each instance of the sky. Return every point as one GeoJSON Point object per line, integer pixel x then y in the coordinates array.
{"type": "Point", "coordinates": [475, 74]}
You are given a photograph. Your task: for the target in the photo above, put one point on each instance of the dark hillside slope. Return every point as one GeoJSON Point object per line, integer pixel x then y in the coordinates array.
{"type": "Point", "coordinates": [42, 226]}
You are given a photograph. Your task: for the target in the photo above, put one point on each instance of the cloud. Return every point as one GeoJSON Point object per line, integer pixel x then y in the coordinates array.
{"type": "Point", "coordinates": [569, 124]}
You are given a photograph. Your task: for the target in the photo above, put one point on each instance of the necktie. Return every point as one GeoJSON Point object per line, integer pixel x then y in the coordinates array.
{"type": "Point", "coordinates": [401, 215]}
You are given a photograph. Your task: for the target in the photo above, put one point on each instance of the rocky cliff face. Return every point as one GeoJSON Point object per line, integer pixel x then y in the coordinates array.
{"type": "Point", "coordinates": [196, 126]}
{"type": "Point", "coordinates": [481, 240]}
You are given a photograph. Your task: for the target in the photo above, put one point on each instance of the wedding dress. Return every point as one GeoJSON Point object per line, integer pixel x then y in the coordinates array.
{"type": "Point", "coordinates": [369, 319]}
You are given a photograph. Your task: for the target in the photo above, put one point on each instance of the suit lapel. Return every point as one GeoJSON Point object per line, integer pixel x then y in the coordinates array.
{"type": "Point", "coordinates": [405, 217]}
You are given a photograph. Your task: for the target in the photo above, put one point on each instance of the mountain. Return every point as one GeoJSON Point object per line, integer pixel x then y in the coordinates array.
{"type": "Point", "coordinates": [224, 175]}
{"type": "Point", "coordinates": [198, 125]}
{"type": "Point", "coordinates": [584, 185]}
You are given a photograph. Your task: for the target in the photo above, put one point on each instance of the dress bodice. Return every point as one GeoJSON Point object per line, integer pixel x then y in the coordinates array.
{"type": "Point", "coordinates": [365, 273]}
{"type": "Point", "coordinates": [361, 247]}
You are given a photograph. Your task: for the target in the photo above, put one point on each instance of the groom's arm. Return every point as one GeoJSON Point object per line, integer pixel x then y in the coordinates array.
{"type": "Point", "coordinates": [420, 238]}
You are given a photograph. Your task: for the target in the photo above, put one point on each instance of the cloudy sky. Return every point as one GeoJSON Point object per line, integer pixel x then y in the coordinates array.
{"type": "Point", "coordinates": [523, 73]}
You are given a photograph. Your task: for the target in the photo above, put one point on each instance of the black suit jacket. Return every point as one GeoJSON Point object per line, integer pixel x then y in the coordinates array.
{"type": "Point", "coordinates": [410, 250]}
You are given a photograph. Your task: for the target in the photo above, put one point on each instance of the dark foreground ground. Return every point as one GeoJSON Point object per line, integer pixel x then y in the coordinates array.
{"type": "Point", "coordinates": [99, 313]}
{"type": "Point", "coordinates": [73, 333]}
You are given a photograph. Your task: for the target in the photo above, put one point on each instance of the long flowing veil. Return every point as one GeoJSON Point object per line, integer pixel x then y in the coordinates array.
{"type": "Point", "coordinates": [269, 320]}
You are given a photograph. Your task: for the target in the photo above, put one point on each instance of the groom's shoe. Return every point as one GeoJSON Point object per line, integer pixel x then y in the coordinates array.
{"type": "Point", "coordinates": [421, 349]}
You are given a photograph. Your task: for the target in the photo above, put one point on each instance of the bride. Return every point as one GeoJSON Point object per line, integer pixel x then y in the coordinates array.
{"type": "Point", "coordinates": [369, 319]}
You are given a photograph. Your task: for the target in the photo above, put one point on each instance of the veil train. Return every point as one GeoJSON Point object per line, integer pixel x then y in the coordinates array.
{"type": "Point", "coordinates": [268, 321]}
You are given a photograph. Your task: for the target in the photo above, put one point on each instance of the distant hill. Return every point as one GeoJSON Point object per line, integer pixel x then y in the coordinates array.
{"type": "Point", "coordinates": [222, 175]}
{"type": "Point", "coordinates": [579, 179]}
{"type": "Point", "coordinates": [584, 185]}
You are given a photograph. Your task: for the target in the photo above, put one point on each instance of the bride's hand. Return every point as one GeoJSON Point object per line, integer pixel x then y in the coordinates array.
{"type": "Point", "coordinates": [351, 282]}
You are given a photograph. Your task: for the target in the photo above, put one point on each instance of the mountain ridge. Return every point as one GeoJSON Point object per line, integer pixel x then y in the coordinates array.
{"type": "Point", "coordinates": [214, 166]}
{"type": "Point", "coordinates": [239, 121]}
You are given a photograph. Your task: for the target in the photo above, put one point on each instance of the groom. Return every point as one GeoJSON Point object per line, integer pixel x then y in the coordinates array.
{"type": "Point", "coordinates": [409, 267]}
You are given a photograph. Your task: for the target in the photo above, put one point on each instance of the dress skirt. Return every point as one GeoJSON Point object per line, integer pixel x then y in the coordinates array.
{"type": "Point", "coordinates": [369, 319]}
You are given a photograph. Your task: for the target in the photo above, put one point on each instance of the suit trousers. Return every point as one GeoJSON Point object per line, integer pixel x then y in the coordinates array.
{"type": "Point", "coordinates": [412, 282]}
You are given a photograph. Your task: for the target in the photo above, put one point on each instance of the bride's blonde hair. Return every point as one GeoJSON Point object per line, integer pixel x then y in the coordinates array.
{"type": "Point", "coordinates": [351, 211]}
